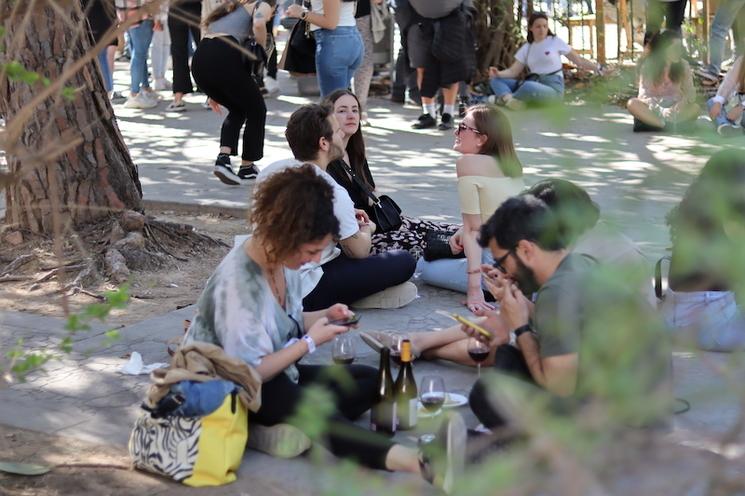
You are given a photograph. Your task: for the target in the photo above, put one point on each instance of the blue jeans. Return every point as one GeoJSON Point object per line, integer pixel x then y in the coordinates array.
{"type": "Point", "coordinates": [338, 54]}
{"type": "Point", "coordinates": [140, 37]}
{"type": "Point", "coordinates": [449, 273]}
{"type": "Point", "coordinates": [547, 87]}
{"type": "Point", "coordinates": [723, 20]}
{"type": "Point", "coordinates": [722, 117]}
{"type": "Point", "coordinates": [103, 62]}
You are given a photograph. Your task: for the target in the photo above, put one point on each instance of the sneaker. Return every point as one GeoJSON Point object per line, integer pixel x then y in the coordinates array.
{"type": "Point", "coordinates": [116, 96]}
{"type": "Point", "coordinates": [729, 130]}
{"type": "Point", "coordinates": [425, 121]}
{"type": "Point", "coordinates": [446, 122]}
{"type": "Point", "coordinates": [246, 172]}
{"type": "Point", "coordinates": [150, 95]}
{"type": "Point", "coordinates": [224, 171]}
{"type": "Point", "coordinates": [175, 106]}
{"type": "Point", "coordinates": [706, 74]}
{"type": "Point", "coordinates": [280, 440]}
{"type": "Point", "coordinates": [393, 297]}
{"type": "Point", "coordinates": [513, 103]}
{"type": "Point", "coordinates": [442, 457]}
{"type": "Point", "coordinates": [272, 87]}
{"type": "Point", "coordinates": [139, 101]}
{"type": "Point", "coordinates": [162, 85]}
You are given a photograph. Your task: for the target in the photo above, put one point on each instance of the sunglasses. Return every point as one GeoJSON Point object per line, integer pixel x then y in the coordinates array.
{"type": "Point", "coordinates": [463, 127]}
{"type": "Point", "coordinates": [499, 264]}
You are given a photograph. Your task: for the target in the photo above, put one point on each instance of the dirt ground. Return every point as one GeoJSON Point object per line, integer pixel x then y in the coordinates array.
{"type": "Point", "coordinates": [92, 470]}
{"type": "Point", "coordinates": [153, 292]}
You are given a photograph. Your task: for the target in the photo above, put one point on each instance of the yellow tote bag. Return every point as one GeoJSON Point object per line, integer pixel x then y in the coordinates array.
{"type": "Point", "coordinates": [199, 451]}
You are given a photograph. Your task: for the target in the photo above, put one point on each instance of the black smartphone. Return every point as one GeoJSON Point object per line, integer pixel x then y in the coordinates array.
{"type": "Point", "coordinates": [349, 321]}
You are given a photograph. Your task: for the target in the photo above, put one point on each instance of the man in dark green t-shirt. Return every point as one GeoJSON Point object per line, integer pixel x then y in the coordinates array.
{"type": "Point", "coordinates": [566, 337]}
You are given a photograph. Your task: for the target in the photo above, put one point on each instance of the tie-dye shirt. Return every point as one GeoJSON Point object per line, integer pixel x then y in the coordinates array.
{"type": "Point", "coordinates": [238, 311]}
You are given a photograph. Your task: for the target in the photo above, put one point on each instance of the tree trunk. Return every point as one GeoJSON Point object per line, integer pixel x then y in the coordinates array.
{"type": "Point", "coordinates": [95, 176]}
{"type": "Point", "coordinates": [497, 35]}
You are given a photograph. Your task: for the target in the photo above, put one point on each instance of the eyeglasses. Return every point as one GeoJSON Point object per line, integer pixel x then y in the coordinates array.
{"type": "Point", "coordinates": [499, 264]}
{"type": "Point", "coordinates": [463, 127]}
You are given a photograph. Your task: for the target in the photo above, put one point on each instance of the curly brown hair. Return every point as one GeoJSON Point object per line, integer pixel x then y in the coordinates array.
{"type": "Point", "coordinates": [291, 208]}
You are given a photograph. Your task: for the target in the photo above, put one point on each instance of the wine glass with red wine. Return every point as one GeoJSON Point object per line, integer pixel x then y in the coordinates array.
{"type": "Point", "coordinates": [478, 351]}
{"type": "Point", "coordinates": [343, 350]}
{"type": "Point", "coordinates": [432, 393]}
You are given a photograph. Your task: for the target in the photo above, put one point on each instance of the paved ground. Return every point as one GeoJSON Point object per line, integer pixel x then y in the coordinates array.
{"type": "Point", "coordinates": [635, 178]}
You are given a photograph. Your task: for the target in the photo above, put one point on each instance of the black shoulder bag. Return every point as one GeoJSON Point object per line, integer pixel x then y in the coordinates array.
{"type": "Point", "coordinates": [385, 212]}
{"type": "Point", "coordinates": [300, 52]}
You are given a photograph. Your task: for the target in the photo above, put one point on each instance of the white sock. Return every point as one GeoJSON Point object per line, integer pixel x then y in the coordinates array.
{"type": "Point", "coordinates": [429, 108]}
{"type": "Point", "coordinates": [448, 109]}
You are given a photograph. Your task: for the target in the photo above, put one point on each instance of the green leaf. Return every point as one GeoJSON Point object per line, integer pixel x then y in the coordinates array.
{"type": "Point", "coordinates": [24, 468]}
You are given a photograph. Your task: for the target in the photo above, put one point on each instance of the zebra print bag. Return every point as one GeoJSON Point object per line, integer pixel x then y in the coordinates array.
{"type": "Point", "coordinates": [196, 451]}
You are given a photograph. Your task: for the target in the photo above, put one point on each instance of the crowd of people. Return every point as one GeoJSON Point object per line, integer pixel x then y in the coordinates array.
{"type": "Point", "coordinates": [319, 246]}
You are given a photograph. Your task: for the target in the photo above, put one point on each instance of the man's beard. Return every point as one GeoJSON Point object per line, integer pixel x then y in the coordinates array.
{"type": "Point", "coordinates": [525, 279]}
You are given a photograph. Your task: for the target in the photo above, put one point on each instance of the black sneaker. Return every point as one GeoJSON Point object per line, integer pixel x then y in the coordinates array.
{"type": "Point", "coordinates": [224, 171]}
{"type": "Point", "coordinates": [446, 122]}
{"type": "Point", "coordinates": [425, 121]}
{"type": "Point", "coordinates": [247, 172]}
{"type": "Point", "coordinates": [442, 457]}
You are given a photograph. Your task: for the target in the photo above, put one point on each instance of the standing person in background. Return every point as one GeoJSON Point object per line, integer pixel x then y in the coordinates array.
{"type": "Point", "coordinates": [271, 86]}
{"type": "Point", "coordinates": [364, 74]}
{"type": "Point", "coordinates": [220, 71]}
{"type": "Point", "coordinates": [441, 62]}
{"type": "Point", "coordinates": [339, 48]}
{"type": "Point", "coordinates": [673, 11]}
{"type": "Point", "coordinates": [724, 20]}
{"type": "Point", "coordinates": [101, 18]}
{"type": "Point", "coordinates": [183, 19]}
{"type": "Point", "coordinates": [140, 34]}
{"type": "Point", "coordinates": [405, 76]}
{"type": "Point", "coordinates": [160, 49]}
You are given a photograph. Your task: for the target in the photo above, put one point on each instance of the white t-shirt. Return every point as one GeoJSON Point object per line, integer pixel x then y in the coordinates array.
{"type": "Point", "coordinates": [346, 13]}
{"type": "Point", "coordinates": [343, 210]}
{"type": "Point", "coordinates": [543, 57]}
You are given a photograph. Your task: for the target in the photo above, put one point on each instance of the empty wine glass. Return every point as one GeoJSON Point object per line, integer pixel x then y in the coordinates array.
{"type": "Point", "coordinates": [432, 393]}
{"type": "Point", "coordinates": [394, 343]}
{"type": "Point", "coordinates": [478, 351]}
{"type": "Point", "coordinates": [343, 350]}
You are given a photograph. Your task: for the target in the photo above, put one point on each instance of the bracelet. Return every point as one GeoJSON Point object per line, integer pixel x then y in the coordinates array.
{"type": "Point", "coordinates": [304, 14]}
{"type": "Point", "coordinates": [474, 271]}
{"type": "Point", "coordinates": [311, 344]}
{"type": "Point", "coordinates": [522, 330]}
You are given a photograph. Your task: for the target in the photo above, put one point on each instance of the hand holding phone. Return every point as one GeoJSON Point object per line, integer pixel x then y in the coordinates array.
{"type": "Point", "coordinates": [464, 321]}
{"type": "Point", "coordinates": [349, 321]}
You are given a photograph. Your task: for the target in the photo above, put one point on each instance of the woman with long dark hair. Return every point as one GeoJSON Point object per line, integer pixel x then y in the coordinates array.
{"type": "Point", "coordinates": [666, 92]}
{"type": "Point", "coordinates": [541, 56]}
{"type": "Point", "coordinates": [220, 70]}
{"type": "Point", "coordinates": [411, 236]}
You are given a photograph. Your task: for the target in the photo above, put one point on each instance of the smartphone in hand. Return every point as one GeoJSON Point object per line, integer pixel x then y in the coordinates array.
{"type": "Point", "coordinates": [464, 321]}
{"type": "Point", "coordinates": [349, 321]}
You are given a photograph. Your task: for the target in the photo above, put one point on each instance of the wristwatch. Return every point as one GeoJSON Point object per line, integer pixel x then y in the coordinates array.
{"type": "Point", "coordinates": [311, 344]}
{"type": "Point", "coordinates": [522, 330]}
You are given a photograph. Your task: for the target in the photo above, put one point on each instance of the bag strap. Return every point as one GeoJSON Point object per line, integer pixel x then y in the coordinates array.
{"type": "Point", "coordinates": [360, 183]}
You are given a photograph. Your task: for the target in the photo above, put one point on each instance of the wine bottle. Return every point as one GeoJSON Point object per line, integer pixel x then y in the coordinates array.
{"type": "Point", "coordinates": [383, 412]}
{"type": "Point", "coordinates": [406, 391]}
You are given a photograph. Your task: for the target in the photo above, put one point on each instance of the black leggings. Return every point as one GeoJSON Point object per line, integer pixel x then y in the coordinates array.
{"type": "Point", "coordinates": [183, 18]}
{"type": "Point", "coordinates": [219, 71]}
{"type": "Point", "coordinates": [346, 280]}
{"type": "Point", "coordinates": [280, 398]}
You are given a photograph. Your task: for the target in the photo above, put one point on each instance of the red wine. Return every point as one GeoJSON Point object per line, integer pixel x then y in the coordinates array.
{"type": "Point", "coordinates": [343, 360]}
{"type": "Point", "coordinates": [433, 401]}
{"type": "Point", "coordinates": [396, 357]}
{"type": "Point", "coordinates": [478, 356]}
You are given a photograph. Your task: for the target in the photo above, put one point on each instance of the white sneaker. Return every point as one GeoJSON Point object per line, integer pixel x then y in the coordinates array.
{"type": "Point", "coordinates": [280, 440]}
{"type": "Point", "coordinates": [151, 95]}
{"type": "Point", "coordinates": [139, 101]}
{"type": "Point", "coordinates": [272, 86]}
{"type": "Point", "coordinates": [225, 174]}
{"type": "Point", "coordinates": [729, 130]}
{"type": "Point", "coordinates": [393, 297]}
{"type": "Point", "coordinates": [162, 85]}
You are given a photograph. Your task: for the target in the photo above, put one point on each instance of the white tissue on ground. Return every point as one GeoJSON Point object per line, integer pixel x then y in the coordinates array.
{"type": "Point", "coordinates": [135, 365]}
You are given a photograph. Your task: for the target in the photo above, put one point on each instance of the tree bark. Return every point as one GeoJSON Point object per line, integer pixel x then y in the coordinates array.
{"type": "Point", "coordinates": [95, 176]}
{"type": "Point", "coordinates": [497, 34]}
